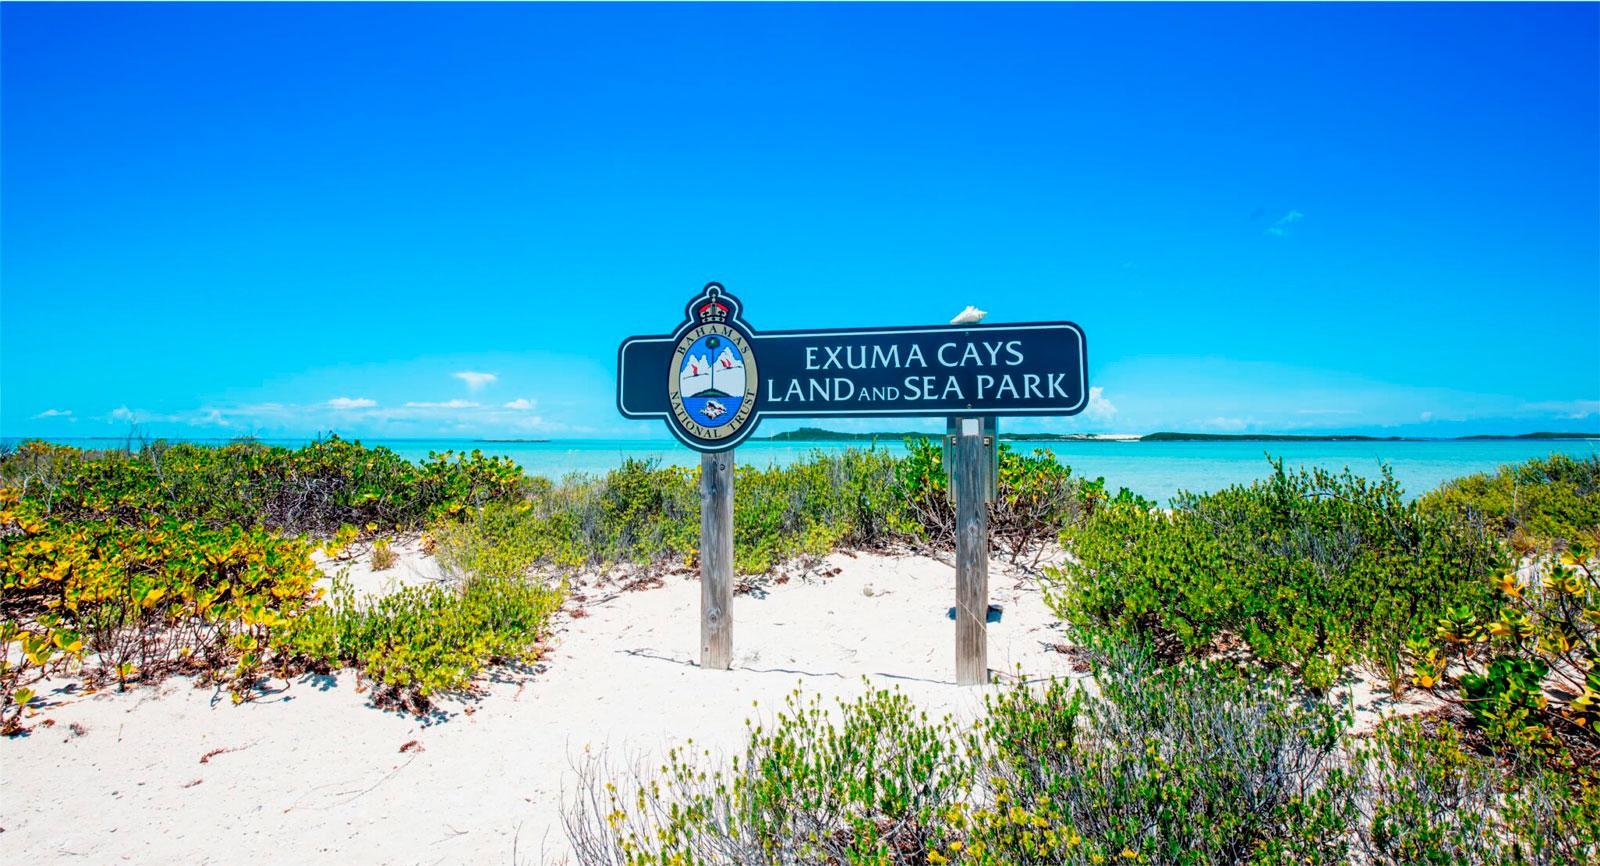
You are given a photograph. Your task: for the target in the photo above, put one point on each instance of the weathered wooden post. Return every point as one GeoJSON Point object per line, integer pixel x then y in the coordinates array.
{"type": "Point", "coordinates": [970, 472]}
{"type": "Point", "coordinates": [716, 559]}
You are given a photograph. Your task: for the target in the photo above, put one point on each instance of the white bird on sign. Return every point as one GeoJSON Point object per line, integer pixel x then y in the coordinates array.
{"type": "Point", "coordinates": [970, 316]}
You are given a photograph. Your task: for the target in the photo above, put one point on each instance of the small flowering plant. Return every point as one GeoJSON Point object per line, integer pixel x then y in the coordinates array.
{"type": "Point", "coordinates": [1527, 666]}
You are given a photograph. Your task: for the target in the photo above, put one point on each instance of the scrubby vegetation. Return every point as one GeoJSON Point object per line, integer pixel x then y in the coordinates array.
{"type": "Point", "coordinates": [423, 640]}
{"type": "Point", "coordinates": [129, 565]}
{"type": "Point", "coordinates": [1220, 631]}
{"type": "Point", "coordinates": [1537, 504]}
{"type": "Point", "coordinates": [1193, 763]}
{"type": "Point", "coordinates": [1312, 570]}
{"type": "Point", "coordinates": [646, 514]}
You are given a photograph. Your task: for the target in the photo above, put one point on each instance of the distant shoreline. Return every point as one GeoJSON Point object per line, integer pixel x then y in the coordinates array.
{"type": "Point", "coordinates": [813, 434]}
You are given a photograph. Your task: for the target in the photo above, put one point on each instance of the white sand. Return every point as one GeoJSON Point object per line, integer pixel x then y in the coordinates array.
{"type": "Point", "coordinates": [315, 774]}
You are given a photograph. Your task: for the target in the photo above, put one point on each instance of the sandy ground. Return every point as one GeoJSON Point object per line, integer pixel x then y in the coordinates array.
{"type": "Point", "coordinates": [314, 774]}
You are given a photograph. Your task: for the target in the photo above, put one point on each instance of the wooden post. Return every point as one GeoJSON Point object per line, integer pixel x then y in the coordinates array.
{"type": "Point", "coordinates": [716, 560]}
{"type": "Point", "coordinates": [972, 555]}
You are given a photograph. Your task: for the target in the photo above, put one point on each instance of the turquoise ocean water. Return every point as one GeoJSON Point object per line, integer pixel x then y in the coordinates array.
{"type": "Point", "coordinates": [1153, 469]}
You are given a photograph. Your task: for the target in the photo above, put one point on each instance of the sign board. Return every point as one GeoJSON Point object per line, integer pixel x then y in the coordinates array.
{"type": "Point", "coordinates": [715, 377]}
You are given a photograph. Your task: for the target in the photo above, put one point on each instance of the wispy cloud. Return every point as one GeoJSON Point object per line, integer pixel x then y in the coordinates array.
{"type": "Point", "coordinates": [521, 404]}
{"type": "Point", "coordinates": [54, 413]}
{"type": "Point", "coordinates": [1569, 409]}
{"type": "Point", "coordinates": [351, 403]}
{"type": "Point", "coordinates": [1280, 228]}
{"type": "Point", "coordinates": [474, 379]}
{"type": "Point", "coordinates": [123, 413]}
{"type": "Point", "coordinates": [448, 404]}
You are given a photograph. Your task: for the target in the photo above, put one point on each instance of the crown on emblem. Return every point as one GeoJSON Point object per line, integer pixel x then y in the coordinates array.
{"type": "Point", "coordinates": [713, 310]}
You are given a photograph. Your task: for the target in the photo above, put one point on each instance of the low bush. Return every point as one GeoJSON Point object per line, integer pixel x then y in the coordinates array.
{"type": "Point", "coordinates": [1537, 504]}
{"type": "Point", "coordinates": [865, 784]}
{"type": "Point", "coordinates": [130, 565]}
{"type": "Point", "coordinates": [646, 514]}
{"type": "Point", "coordinates": [1196, 763]}
{"type": "Point", "coordinates": [311, 490]}
{"type": "Point", "coordinates": [1313, 570]}
{"type": "Point", "coordinates": [1429, 798]}
{"type": "Point", "coordinates": [1528, 668]}
{"type": "Point", "coordinates": [1036, 498]}
{"type": "Point", "coordinates": [138, 601]}
{"type": "Point", "coordinates": [422, 640]}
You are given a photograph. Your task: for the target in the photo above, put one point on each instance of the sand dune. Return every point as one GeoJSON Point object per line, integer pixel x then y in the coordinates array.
{"type": "Point", "coordinates": [312, 773]}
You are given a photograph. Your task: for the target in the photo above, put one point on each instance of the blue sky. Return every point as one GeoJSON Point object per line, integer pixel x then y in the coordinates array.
{"type": "Point", "coordinates": [440, 220]}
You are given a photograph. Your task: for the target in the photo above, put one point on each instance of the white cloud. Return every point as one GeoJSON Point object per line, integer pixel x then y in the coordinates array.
{"type": "Point", "coordinates": [351, 403]}
{"type": "Point", "coordinates": [475, 380]}
{"type": "Point", "coordinates": [123, 413]}
{"type": "Point", "coordinates": [448, 404]}
{"type": "Point", "coordinates": [521, 404]}
{"type": "Point", "coordinates": [1228, 424]}
{"type": "Point", "coordinates": [1099, 408]}
{"type": "Point", "coordinates": [1281, 227]}
{"type": "Point", "coordinates": [54, 413]}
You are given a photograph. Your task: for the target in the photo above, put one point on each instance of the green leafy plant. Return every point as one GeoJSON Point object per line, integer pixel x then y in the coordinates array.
{"type": "Point", "coordinates": [423, 640]}
{"type": "Point", "coordinates": [1537, 504]}
{"type": "Point", "coordinates": [1036, 498]}
{"type": "Point", "coordinates": [1428, 798]}
{"type": "Point", "coordinates": [864, 784]}
{"type": "Point", "coordinates": [1315, 570]}
{"type": "Point", "coordinates": [1528, 662]}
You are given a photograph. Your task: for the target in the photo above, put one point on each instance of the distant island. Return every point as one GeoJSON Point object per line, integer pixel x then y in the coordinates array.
{"type": "Point", "coordinates": [816, 434]}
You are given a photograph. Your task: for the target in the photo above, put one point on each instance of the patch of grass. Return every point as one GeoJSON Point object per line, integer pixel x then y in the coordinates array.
{"type": "Point", "coordinates": [383, 555]}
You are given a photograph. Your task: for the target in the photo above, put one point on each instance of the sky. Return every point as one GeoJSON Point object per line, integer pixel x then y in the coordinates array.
{"type": "Point", "coordinates": [441, 220]}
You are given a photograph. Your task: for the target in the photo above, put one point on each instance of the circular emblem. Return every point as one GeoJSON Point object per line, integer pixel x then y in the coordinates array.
{"type": "Point", "coordinates": [711, 380]}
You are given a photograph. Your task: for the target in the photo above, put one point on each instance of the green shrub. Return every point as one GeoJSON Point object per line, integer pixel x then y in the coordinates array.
{"type": "Point", "coordinates": [174, 558]}
{"type": "Point", "coordinates": [1426, 798]}
{"type": "Point", "coordinates": [1036, 498]}
{"type": "Point", "coordinates": [1540, 502]}
{"type": "Point", "coordinates": [645, 514]}
{"type": "Point", "coordinates": [310, 490]}
{"type": "Point", "coordinates": [1528, 668]}
{"type": "Point", "coordinates": [1314, 570]}
{"type": "Point", "coordinates": [864, 785]}
{"type": "Point", "coordinates": [141, 600]}
{"type": "Point", "coordinates": [423, 640]}
{"type": "Point", "coordinates": [1190, 764]}
{"type": "Point", "coordinates": [1196, 764]}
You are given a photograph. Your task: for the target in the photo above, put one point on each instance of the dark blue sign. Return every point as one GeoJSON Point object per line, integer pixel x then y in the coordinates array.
{"type": "Point", "coordinates": [715, 378]}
